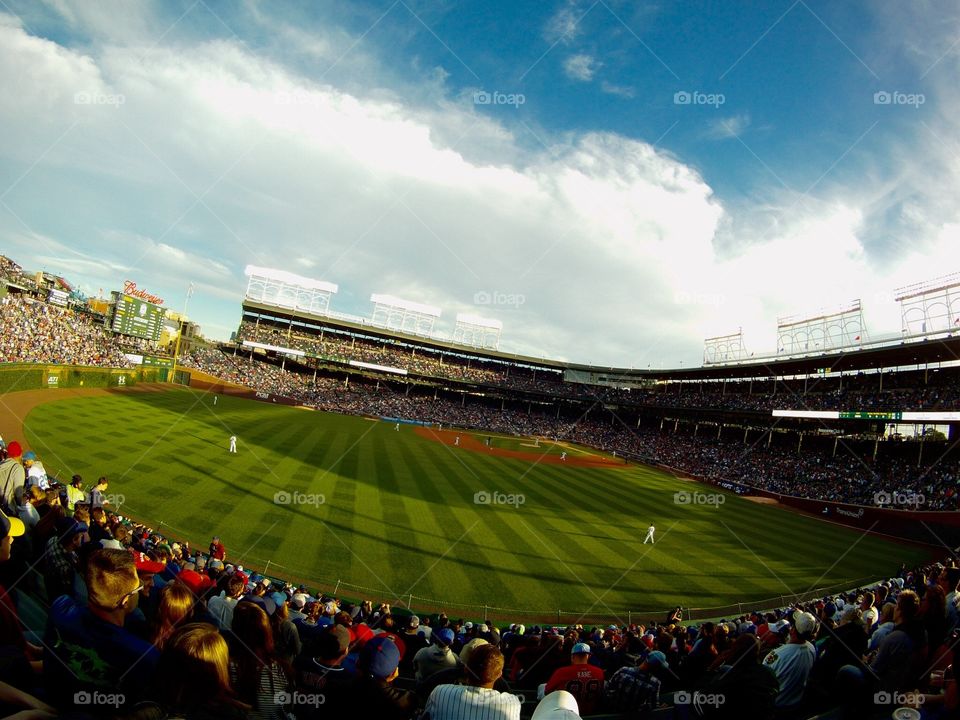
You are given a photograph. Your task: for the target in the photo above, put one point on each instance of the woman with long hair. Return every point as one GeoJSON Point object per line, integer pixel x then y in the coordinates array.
{"type": "Point", "coordinates": [174, 608]}
{"type": "Point", "coordinates": [193, 676]}
{"type": "Point", "coordinates": [255, 670]}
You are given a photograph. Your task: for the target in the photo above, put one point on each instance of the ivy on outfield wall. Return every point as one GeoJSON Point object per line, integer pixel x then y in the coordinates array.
{"type": "Point", "coordinates": [34, 376]}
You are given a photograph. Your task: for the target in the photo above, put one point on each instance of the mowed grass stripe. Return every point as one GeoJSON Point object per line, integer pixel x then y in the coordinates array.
{"type": "Point", "coordinates": [627, 553]}
{"type": "Point", "coordinates": [491, 535]}
{"type": "Point", "coordinates": [189, 481]}
{"type": "Point", "coordinates": [454, 522]}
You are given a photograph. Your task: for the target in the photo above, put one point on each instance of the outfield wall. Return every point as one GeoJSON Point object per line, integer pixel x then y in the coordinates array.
{"type": "Point", "coordinates": [38, 376]}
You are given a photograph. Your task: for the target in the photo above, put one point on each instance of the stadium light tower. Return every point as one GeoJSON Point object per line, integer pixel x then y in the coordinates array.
{"type": "Point", "coordinates": [176, 350]}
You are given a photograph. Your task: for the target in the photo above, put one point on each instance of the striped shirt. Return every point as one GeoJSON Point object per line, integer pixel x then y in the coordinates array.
{"type": "Point", "coordinates": [466, 702]}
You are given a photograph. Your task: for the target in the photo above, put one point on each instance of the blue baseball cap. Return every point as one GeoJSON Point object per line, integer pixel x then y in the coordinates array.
{"type": "Point", "coordinates": [380, 656]}
{"type": "Point", "coordinates": [444, 636]}
{"type": "Point", "coordinates": [581, 649]}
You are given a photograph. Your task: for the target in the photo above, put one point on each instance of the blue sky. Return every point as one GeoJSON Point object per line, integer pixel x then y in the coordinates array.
{"type": "Point", "coordinates": [178, 142]}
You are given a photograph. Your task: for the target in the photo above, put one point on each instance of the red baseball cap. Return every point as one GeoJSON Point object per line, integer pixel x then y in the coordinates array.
{"type": "Point", "coordinates": [195, 581]}
{"type": "Point", "coordinates": [146, 566]}
{"type": "Point", "coordinates": [14, 450]}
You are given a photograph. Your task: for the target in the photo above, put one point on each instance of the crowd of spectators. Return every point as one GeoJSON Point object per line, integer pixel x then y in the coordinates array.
{"type": "Point", "coordinates": [139, 625]}
{"type": "Point", "coordinates": [416, 360]}
{"type": "Point", "coordinates": [850, 474]}
{"type": "Point", "coordinates": [35, 331]}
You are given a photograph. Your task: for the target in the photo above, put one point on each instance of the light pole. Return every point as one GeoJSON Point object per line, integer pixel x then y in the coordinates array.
{"type": "Point", "coordinates": [176, 350]}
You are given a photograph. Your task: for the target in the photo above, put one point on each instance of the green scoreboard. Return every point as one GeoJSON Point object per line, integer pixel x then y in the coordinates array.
{"type": "Point", "coordinates": [136, 317]}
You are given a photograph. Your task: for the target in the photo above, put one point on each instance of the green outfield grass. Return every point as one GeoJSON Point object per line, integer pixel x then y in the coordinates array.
{"type": "Point", "coordinates": [399, 513]}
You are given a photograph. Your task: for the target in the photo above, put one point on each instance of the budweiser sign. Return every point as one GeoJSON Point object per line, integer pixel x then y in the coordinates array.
{"type": "Point", "coordinates": [130, 288]}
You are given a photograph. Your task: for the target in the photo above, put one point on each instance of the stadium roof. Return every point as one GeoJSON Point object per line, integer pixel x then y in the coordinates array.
{"type": "Point", "coordinates": [906, 353]}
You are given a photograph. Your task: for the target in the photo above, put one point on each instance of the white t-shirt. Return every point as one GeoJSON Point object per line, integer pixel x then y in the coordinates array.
{"type": "Point", "coordinates": [791, 664]}
{"type": "Point", "coordinates": [870, 617]}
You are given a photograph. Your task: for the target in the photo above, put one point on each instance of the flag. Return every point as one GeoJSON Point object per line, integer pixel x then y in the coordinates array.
{"type": "Point", "coordinates": [857, 337]}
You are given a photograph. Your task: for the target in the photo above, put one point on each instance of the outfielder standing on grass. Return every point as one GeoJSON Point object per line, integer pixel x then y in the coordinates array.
{"type": "Point", "coordinates": [649, 535]}
{"type": "Point", "coordinates": [233, 443]}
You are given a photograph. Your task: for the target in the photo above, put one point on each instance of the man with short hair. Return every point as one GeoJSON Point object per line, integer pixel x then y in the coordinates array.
{"type": "Point", "coordinates": [581, 679]}
{"type": "Point", "coordinates": [87, 648]}
{"type": "Point", "coordinates": [95, 497]}
{"type": "Point", "coordinates": [477, 700]}
{"type": "Point", "coordinates": [792, 662]}
{"type": "Point", "coordinates": [221, 606]}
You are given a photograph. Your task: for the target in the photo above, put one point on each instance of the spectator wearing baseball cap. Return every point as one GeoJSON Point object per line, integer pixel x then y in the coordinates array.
{"type": "Point", "coordinates": [16, 652]}
{"type": "Point", "coordinates": [581, 679]}
{"type": "Point", "coordinates": [12, 476]}
{"type": "Point", "coordinates": [484, 666]}
{"type": "Point", "coordinates": [60, 560]}
{"type": "Point", "coordinates": [376, 695]}
{"type": "Point", "coordinates": [285, 636]}
{"type": "Point", "coordinates": [319, 669]}
{"type": "Point", "coordinates": [87, 648]}
{"type": "Point", "coordinates": [413, 643]}
{"type": "Point", "coordinates": [792, 662]}
{"type": "Point", "coordinates": [635, 689]}
{"type": "Point", "coordinates": [437, 657]}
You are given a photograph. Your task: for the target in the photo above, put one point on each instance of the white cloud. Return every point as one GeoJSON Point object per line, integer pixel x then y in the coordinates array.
{"type": "Point", "coordinates": [581, 67]}
{"type": "Point", "coordinates": [728, 127]}
{"type": "Point", "coordinates": [619, 90]}
{"type": "Point", "coordinates": [219, 158]}
{"type": "Point", "coordinates": [564, 25]}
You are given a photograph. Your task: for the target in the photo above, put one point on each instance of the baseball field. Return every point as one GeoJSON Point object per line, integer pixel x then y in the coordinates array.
{"type": "Point", "coordinates": [386, 513]}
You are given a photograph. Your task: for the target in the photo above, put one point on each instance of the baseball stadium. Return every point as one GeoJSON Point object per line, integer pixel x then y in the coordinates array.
{"type": "Point", "coordinates": [367, 471]}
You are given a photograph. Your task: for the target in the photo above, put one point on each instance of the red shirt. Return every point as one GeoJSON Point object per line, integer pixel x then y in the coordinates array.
{"type": "Point", "coordinates": [217, 551]}
{"type": "Point", "coordinates": [584, 682]}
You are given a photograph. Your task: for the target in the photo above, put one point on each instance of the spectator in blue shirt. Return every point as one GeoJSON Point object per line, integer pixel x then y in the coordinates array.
{"type": "Point", "coordinates": [87, 649]}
